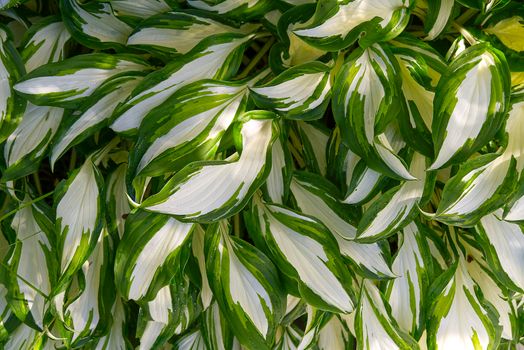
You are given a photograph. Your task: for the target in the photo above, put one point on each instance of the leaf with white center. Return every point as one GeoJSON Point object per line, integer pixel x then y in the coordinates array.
{"type": "Point", "coordinates": [487, 182]}
{"type": "Point", "coordinates": [363, 105]}
{"type": "Point", "coordinates": [23, 338]}
{"type": "Point", "coordinates": [197, 247]}
{"type": "Point", "coordinates": [89, 310]}
{"type": "Point", "coordinates": [172, 310]}
{"type": "Point", "coordinates": [302, 92]}
{"type": "Point", "coordinates": [305, 251]}
{"type": "Point", "coordinates": [503, 244]}
{"type": "Point", "coordinates": [374, 327]}
{"type": "Point", "coordinates": [115, 339]}
{"type": "Point", "coordinates": [246, 286]}
{"type": "Point", "coordinates": [457, 319]}
{"type": "Point", "coordinates": [68, 82]}
{"type": "Point", "coordinates": [439, 14]}
{"type": "Point", "coordinates": [216, 330]}
{"type": "Point", "coordinates": [212, 190]}
{"type": "Point", "coordinates": [32, 267]}
{"type": "Point", "coordinates": [418, 94]}
{"type": "Point", "coordinates": [477, 85]}
{"type": "Point", "coordinates": [289, 338]}
{"type": "Point", "coordinates": [27, 144]}
{"type": "Point", "coordinates": [238, 9]}
{"type": "Point", "coordinates": [45, 42]}
{"type": "Point", "coordinates": [361, 181]}
{"type": "Point", "coordinates": [217, 58]}
{"type": "Point", "coordinates": [156, 33]}
{"type": "Point", "coordinates": [316, 197]}
{"type": "Point", "coordinates": [397, 206]}
{"type": "Point", "coordinates": [11, 69]}
{"type": "Point", "coordinates": [117, 202]}
{"type": "Point", "coordinates": [191, 341]}
{"type": "Point", "coordinates": [406, 294]}
{"type": "Point", "coordinates": [510, 31]}
{"type": "Point", "coordinates": [96, 113]}
{"type": "Point", "coordinates": [494, 295]}
{"type": "Point", "coordinates": [314, 139]}
{"type": "Point", "coordinates": [141, 8]}
{"type": "Point", "coordinates": [79, 208]}
{"type": "Point", "coordinates": [186, 127]}
{"type": "Point", "coordinates": [334, 335]}
{"type": "Point", "coordinates": [93, 24]}
{"type": "Point", "coordinates": [337, 25]}
{"type": "Point", "coordinates": [153, 248]}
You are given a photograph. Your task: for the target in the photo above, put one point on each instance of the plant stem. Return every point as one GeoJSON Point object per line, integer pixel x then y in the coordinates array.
{"type": "Point", "coordinates": [37, 199]}
{"type": "Point", "coordinates": [467, 35]}
{"type": "Point", "coordinates": [236, 225]}
{"type": "Point", "coordinates": [257, 58]}
{"type": "Point", "coordinates": [467, 15]}
{"type": "Point", "coordinates": [37, 182]}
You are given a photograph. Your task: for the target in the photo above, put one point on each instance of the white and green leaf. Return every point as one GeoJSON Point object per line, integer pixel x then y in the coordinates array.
{"type": "Point", "coordinates": [153, 248]}
{"type": "Point", "coordinates": [240, 9]}
{"type": "Point", "coordinates": [477, 84]}
{"type": "Point", "coordinates": [439, 14]}
{"type": "Point", "coordinates": [192, 193]}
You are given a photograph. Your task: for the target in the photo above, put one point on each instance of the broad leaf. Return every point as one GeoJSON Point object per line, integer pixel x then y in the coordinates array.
{"type": "Point", "coordinates": [439, 14]}
{"type": "Point", "coordinates": [66, 83]}
{"type": "Point", "coordinates": [337, 25]}
{"type": "Point", "coordinates": [301, 92]}
{"type": "Point", "coordinates": [191, 194]}
{"type": "Point", "coordinates": [151, 251]}
{"type": "Point", "coordinates": [320, 201]}
{"type": "Point", "coordinates": [217, 58]}
{"type": "Point", "coordinates": [27, 144]}
{"type": "Point", "coordinates": [476, 84]}
{"type": "Point", "coordinates": [246, 286]}
{"type": "Point", "coordinates": [94, 24]}
{"type": "Point", "coordinates": [240, 9]}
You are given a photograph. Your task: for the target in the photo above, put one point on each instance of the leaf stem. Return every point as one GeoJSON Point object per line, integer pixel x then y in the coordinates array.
{"type": "Point", "coordinates": [37, 199]}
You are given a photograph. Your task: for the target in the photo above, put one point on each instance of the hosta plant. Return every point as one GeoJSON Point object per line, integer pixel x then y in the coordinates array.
{"type": "Point", "coordinates": [261, 174]}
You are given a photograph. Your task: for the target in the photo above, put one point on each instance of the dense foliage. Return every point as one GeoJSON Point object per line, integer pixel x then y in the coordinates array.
{"type": "Point", "coordinates": [261, 174]}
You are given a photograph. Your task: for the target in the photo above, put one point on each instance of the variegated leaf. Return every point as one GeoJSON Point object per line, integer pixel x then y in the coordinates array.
{"type": "Point", "coordinates": [11, 69]}
{"type": "Point", "coordinates": [187, 127]}
{"type": "Point", "coordinates": [217, 58]}
{"type": "Point", "coordinates": [156, 33]}
{"type": "Point", "coordinates": [305, 251]}
{"type": "Point", "coordinates": [439, 14]}
{"type": "Point", "coordinates": [337, 25]}
{"type": "Point", "coordinates": [477, 84]}
{"type": "Point", "coordinates": [317, 198]}
{"type": "Point", "coordinates": [141, 8]}
{"type": "Point", "coordinates": [117, 202]}
{"type": "Point", "coordinates": [406, 294]}
{"type": "Point", "coordinates": [24, 338]}
{"type": "Point", "coordinates": [90, 309]}
{"type": "Point", "coordinates": [418, 94]}
{"type": "Point", "coordinates": [418, 48]}
{"type": "Point", "coordinates": [242, 9]}
{"type": "Point", "coordinates": [458, 320]}
{"type": "Point", "coordinates": [27, 144]}
{"type": "Point", "coordinates": [151, 251]}
{"type": "Point", "coordinates": [79, 208]}
{"type": "Point", "coordinates": [217, 333]}
{"type": "Point", "coordinates": [276, 187]}
{"type": "Point", "coordinates": [314, 142]}
{"type": "Point", "coordinates": [45, 42]}
{"type": "Point", "coordinates": [197, 246]}
{"type": "Point", "coordinates": [115, 339]}
{"type": "Point", "coordinates": [503, 244]}
{"type": "Point", "coordinates": [32, 267]}
{"type": "Point", "coordinates": [375, 328]}
{"type": "Point", "coordinates": [301, 92]}
{"type": "Point", "coordinates": [290, 338]}
{"type": "Point", "coordinates": [397, 206]}
{"type": "Point", "coordinates": [172, 310]}
{"type": "Point", "coordinates": [66, 83]}
{"type": "Point", "coordinates": [191, 194]}
{"type": "Point", "coordinates": [94, 24]}
{"type": "Point", "coordinates": [95, 113]}
{"type": "Point", "coordinates": [361, 181]}
{"type": "Point", "coordinates": [363, 106]}
{"type": "Point", "coordinates": [486, 183]}
{"type": "Point", "coordinates": [334, 335]}
{"type": "Point", "coordinates": [246, 285]}
{"type": "Point", "coordinates": [191, 341]}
